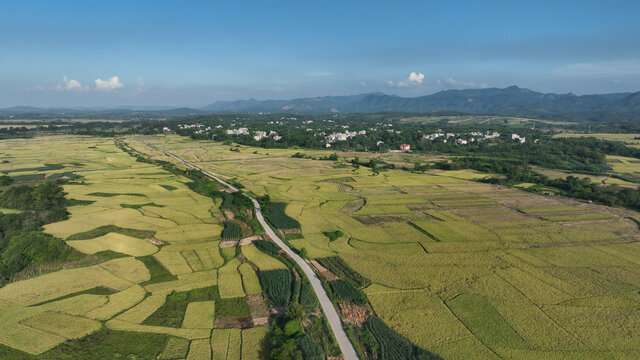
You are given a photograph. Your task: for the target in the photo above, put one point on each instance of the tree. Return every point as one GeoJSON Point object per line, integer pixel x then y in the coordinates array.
{"type": "Point", "coordinates": [295, 311]}
{"type": "Point", "coordinates": [287, 351]}
{"type": "Point", "coordinates": [5, 180]}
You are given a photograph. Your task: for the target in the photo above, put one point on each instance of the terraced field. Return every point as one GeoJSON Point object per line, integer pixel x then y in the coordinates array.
{"type": "Point", "coordinates": [165, 277]}
{"type": "Point", "coordinates": [460, 268]}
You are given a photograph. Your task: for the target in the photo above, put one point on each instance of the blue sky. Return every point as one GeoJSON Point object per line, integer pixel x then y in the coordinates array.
{"type": "Point", "coordinates": [111, 53]}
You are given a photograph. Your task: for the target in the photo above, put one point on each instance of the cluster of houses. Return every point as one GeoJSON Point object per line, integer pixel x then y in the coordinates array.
{"type": "Point", "coordinates": [333, 137]}
{"type": "Point", "coordinates": [470, 137]}
{"type": "Point", "coordinates": [260, 135]}
{"type": "Point", "coordinates": [191, 126]}
{"type": "Point", "coordinates": [200, 128]}
{"type": "Point", "coordinates": [238, 131]}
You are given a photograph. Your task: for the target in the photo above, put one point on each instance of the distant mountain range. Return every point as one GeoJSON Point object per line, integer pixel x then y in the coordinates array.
{"type": "Point", "coordinates": [512, 101]}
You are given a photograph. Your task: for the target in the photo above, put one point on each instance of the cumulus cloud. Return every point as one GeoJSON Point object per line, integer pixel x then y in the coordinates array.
{"type": "Point", "coordinates": [414, 79]}
{"type": "Point", "coordinates": [605, 68]}
{"type": "Point", "coordinates": [70, 84]}
{"type": "Point", "coordinates": [453, 83]}
{"type": "Point", "coordinates": [110, 84]}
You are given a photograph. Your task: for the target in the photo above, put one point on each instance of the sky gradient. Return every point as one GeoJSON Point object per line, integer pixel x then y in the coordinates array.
{"type": "Point", "coordinates": [190, 53]}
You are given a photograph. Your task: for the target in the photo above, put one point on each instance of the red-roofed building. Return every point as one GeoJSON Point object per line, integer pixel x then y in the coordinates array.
{"type": "Point", "coordinates": [405, 147]}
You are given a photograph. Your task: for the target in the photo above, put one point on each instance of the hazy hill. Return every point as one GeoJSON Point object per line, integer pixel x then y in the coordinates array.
{"type": "Point", "coordinates": [512, 101]}
{"type": "Point", "coordinates": [492, 100]}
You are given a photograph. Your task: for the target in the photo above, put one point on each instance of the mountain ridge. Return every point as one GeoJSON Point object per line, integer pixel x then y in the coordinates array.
{"type": "Point", "coordinates": [512, 101]}
{"type": "Point", "coordinates": [487, 100]}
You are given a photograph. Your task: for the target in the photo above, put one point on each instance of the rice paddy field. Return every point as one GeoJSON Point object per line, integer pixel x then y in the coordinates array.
{"type": "Point", "coordinates": [161, 241]}
{"type": "Point", "coordinates": [460, 268]}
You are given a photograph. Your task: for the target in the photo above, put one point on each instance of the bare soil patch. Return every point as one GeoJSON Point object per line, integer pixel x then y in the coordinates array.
{"type": "Point", "coordinates": [155, 241]}
{"type": "Point", "coordinates": [353, 313]}
{"type": "Point", "coordinates": [228, 243]}
{"type": "Point", "coordinates": [258, 306]}
{"type": "Point", "coordinates": [379, 219]}
{"type": "Point", "coordinates": [233, 323]}
{"type": "Point", "coordinates": [249, 240]}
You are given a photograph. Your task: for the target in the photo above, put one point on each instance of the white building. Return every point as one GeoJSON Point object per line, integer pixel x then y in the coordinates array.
{"type": "Point", "coordinates": [432, 137]}
{"type": "Point", "coordinates": [518, 138]}
{"type": "Point", "coordinates": [239, 131]}
{"type": "Point", "coordinates": [259, 135]}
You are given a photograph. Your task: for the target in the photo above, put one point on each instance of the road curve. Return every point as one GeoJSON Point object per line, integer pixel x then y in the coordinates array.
{"type": "Point", "coordinates": [327, 306]}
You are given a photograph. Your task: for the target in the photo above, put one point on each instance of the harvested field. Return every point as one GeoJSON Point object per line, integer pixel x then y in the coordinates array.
{"type": "Point", "coordinates": [370, 220]}
{"type": "Point", "coordinates": [353, 206]}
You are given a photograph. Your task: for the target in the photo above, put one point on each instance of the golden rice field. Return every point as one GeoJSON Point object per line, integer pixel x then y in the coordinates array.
{"type": "Point", "coordinates": [41, 313]}
{"type": "Point", "coordinates": [464, 269]}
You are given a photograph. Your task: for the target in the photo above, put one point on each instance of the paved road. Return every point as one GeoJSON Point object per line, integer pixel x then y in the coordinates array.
{"type": "Point", "coordinates": [327, 306]}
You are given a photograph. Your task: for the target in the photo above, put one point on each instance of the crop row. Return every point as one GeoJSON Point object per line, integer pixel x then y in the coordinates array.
{"type": "Point", "coordinates": [337, 266]}
{"type": "Point", "coordinates": [392, 345]}
{"type": "Point", "coordinates": [279, 219]}
{"type": "Point", "coordinates": [347, 292]}
{"type": "Point", "coordinates": [277, 285]}
{"type": "Point", "coordinates": [231, 231]}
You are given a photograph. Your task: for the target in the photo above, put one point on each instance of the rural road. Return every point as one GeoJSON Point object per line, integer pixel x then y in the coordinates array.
{"type": "Point", "coordinates": [327, 307]}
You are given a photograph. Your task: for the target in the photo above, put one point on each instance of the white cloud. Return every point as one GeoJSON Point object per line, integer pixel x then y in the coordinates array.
{"type": "Point", "coordinates": [140, 87]}
{"type": "Point", "coordinates": [363, 84]}
{"type": "Point", "coordinates": [71, 84]}
{"type": "Point", "coordinates": [605, 68]}
{"type": "Point", "coordinates": [451, 83]}
{"type": "Point", "coordinates": [107, 85]}
{"type": "Point", "coordinates": [414, 79]}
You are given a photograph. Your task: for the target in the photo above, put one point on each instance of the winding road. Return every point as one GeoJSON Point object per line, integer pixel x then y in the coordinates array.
{"type": "Point", "coordinates": [327, 307]}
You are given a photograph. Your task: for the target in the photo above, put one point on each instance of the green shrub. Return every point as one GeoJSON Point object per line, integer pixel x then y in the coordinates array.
{"type": "Point", "coordinates": [293, 327]}
{"type": "Point", "coordinates": [307, 298]}
{"type": "Point", "coordinates": [267, 247]}
{"type": "Point", "coordinates": [310, 350]}
{"type": "Point", "coordinates": [333, 235]}
{"type": "Point", "coordinates": [227, 202]}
